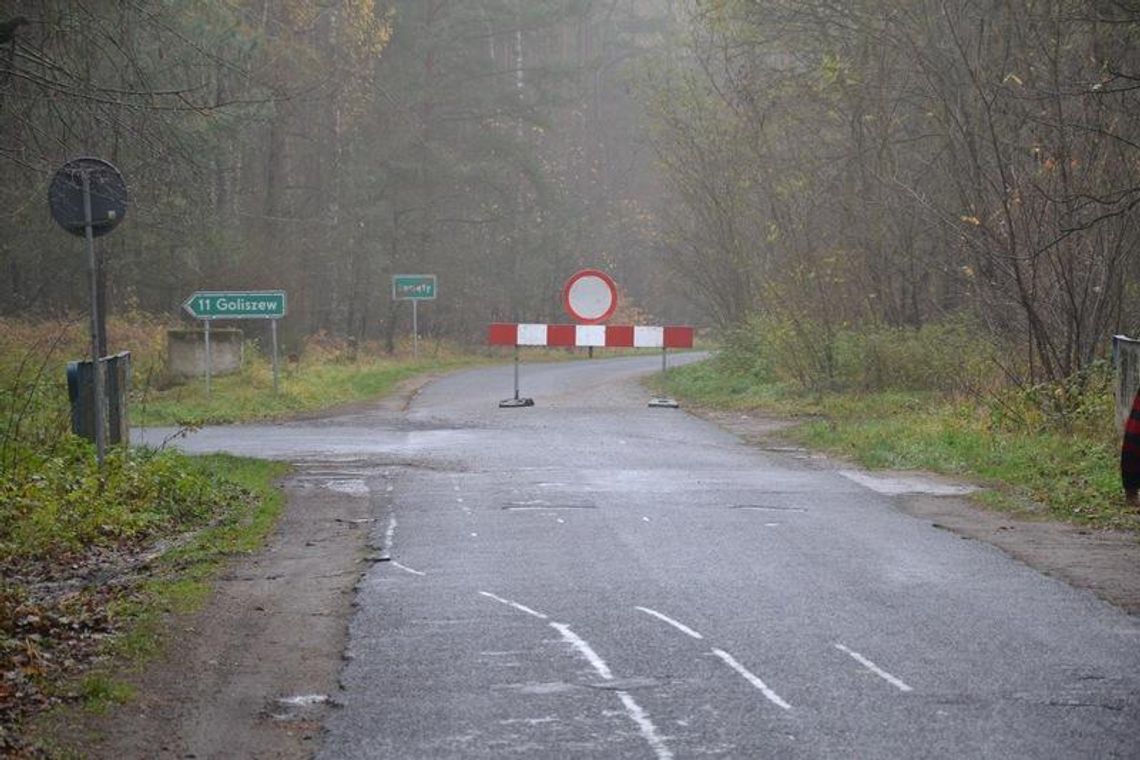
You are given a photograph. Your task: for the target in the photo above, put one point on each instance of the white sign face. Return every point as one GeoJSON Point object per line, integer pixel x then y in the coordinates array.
{"type": "Point", "coordinates": [590, 296]}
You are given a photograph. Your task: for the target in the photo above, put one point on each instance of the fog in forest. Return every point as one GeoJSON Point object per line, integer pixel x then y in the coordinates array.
{"type": "Point", "coordinates": [802, 167]}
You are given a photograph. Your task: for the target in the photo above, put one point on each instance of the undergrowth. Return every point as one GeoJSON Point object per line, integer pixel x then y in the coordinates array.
{"type": "Point", "coordinates": [952, 408]}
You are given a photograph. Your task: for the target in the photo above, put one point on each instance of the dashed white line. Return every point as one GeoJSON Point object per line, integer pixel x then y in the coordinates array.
{"type": "Point", "coordinates": [636, 713]}
{"type": "Point", "coordinates": [516, 605]}
{"type": "Point", "coordinates": [648, 730]}
{"type": "Point", "coordinates": [679, 626]}
{"type": "Point", "coordinates": [584, 649]}
{"type": "Point", "coordinates": [390, 534]}
{"type": "Point", "coordinates": [898, 683]}
{"type": "Point", "coordinates": [406, 569]}
{"type": "Point", "coordinates": [634, 710]}
{"type": "Point", "coordinates": [752, 678]}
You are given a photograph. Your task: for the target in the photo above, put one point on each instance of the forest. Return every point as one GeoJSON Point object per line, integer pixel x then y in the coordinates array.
{"type": "Point", "coordinates": [798, 168]}
{"type": "Point", "coordinates": [321, 147]}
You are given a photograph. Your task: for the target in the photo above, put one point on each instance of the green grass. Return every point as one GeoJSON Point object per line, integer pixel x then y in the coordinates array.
{"type": "Point", "coordinates": [1071, 475]}
{"type": "Point", "coordinates": [312, 386]}
{"type": "Point", "coordinates": [183, 577]}
{"type": "Point", "coordinates": [100, 692]}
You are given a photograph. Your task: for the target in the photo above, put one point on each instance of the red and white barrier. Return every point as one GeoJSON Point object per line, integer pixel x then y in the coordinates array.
{"type": "Point", "coordinates": [600, 336]}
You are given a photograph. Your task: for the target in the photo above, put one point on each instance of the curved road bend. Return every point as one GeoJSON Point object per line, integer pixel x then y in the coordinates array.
{"type": "Point", "coordinates": [594, 578]}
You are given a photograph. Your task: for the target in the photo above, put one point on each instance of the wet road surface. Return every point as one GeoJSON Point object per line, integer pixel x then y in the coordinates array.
{"type": "Point", "coordinates": [594, 578]}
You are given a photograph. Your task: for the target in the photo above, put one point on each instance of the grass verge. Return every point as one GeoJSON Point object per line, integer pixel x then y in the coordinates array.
{"type": "Point", "coordinates": [1071, 475]}
{"type": "Point", "coordinates": [310, 386]}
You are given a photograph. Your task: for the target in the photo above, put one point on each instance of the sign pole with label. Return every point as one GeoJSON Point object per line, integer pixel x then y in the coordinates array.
{"type": "Point", "coordinates": [414, 288]}
{"type": "Point", "coordinates": [88, 197]}
{"type": "Point", "coordinates": [96, 363]}
{"type": "Point", "coordinates": [208, 305]}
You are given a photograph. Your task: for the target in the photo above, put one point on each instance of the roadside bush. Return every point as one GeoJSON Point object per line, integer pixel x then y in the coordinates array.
{"type": "Point", "coordinates": [1083, 403]}
{"type": "Point", "coordinates": [944, 357]}
{"type": "Point", "coordinates": [61, 503]}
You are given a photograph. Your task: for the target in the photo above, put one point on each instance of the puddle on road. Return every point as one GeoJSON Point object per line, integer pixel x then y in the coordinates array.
{"type": "Point", "coordinates": [539, 688]}
{"type": "Point", "coordinates": [767, 508]}
{"type": "Point", "coordinates": [543, 506]}
{"type": "Point", "coordinates": [896, 485]}
{"type": "Point", "coordinates": [351, 487]}
{"type": "Point", "coordinates": [301, 707]}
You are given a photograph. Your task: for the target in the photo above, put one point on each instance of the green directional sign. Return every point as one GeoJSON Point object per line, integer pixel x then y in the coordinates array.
{"type": "Point", "coordinates": [413, 287]}
{"type": "Point", "coordinates": [236, 304]}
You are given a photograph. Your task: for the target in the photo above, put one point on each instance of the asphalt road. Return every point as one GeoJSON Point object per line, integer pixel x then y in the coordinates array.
{"type": "Point", "coordinates": [594, 578]}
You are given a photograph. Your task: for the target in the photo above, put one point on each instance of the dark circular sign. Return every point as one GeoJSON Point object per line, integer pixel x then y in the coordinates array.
{"type": "Point", "coordinates": [108, 196]}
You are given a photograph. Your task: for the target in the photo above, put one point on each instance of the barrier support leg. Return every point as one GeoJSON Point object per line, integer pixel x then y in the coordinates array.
{"type": "Point", "coordinates": [663, 402]}
{"type": "Point", "coordinates": [512, 403]}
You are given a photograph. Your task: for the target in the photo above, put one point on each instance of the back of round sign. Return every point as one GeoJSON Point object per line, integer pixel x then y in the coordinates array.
{"type": "Point", "coordinates": [108, 196]}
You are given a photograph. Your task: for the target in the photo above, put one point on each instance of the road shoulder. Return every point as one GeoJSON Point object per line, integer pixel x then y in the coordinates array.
{"type": "Point", "coordinates": [249, 674]}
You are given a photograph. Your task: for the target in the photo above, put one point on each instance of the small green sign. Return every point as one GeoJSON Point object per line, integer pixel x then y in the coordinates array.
{"type": "Point", "coordinates": [413, 287]}
{"type": "Point", "coordinates": [253, 304]}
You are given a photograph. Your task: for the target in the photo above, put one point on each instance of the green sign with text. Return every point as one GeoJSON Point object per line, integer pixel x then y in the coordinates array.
{"type": "Point", "coordinates": [413, 287]}
{"type": "Point", "coordinates": [239, 304]}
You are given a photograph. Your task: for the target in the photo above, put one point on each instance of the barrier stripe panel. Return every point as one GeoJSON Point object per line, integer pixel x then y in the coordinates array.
{"type": "Point", "coordinates": [532, 335]}
{"type": "Point", "coordinates": [561, 335]}
{"type": "Point", "coordinates": [591, 335]}
{"type": "Point", "coordinates": [502, 334]}
{"type": "Point", "coordinates": [619, 336]}
{"type": "Point", "coordinates": [678, 337]}
{"type": "Point", "coordinates": [602, 336]}
{"type": "Point", "coordinates": [648, 337]}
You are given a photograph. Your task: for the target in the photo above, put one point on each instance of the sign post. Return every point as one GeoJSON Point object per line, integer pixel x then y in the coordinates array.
{"type": "Point", "coordinates": [88, 197]}
{"type": "Point", "coordinates": [208, 305]}
{"type": "Point", "coordinates": [414, 288]}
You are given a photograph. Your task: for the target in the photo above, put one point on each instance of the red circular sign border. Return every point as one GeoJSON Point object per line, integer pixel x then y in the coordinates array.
{"type": "Point", "coordinates": [609, 281]}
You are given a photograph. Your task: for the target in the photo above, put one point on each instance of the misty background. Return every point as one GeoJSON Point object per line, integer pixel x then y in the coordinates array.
{"type": "Point", "coordinates": [792, 168]}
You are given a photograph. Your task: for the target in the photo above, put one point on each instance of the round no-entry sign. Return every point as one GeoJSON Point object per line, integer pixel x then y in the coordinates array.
{"type": "Point", "coordinates": [590, 296]}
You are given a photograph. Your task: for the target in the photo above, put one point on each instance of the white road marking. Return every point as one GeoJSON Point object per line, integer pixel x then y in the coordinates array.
{"type": "Point", "coordinates": [516, 605]}
{"type": "Point", "coordinates": [772, 696]}
{"type": "Point", "coordinates": [584, 649]}
{"type": "Point", "coordinates": [390, 534]}
{"type": "Point", "coordinates": [635, 711]}
{"type": "Point", "coordinates": [561, 521]}
{"type": "Point", "coordinates": [648, 730]}
{"type": "Point", "coordinates": [646, 519]}
{"type": "Point", "coordinates": [679, 626]}
{"type": "Point", "coordinates": [898, 683]}
{"type": "Point", "coordinates": [406, 569]}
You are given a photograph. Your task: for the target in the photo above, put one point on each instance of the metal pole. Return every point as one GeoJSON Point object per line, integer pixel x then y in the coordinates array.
{"type": "Point", "coordinates": [664, 351]}
{"type": "Point", "coordinates": [273, 322]}
{"type": "Point", "coordinates": [516, 373]}
{"type": "Point", "coordinates": [96, 364]}
{"type": "Point", "coordinates": [209, 358]}
{"type": "Point", "coordinates": [415, 330]}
